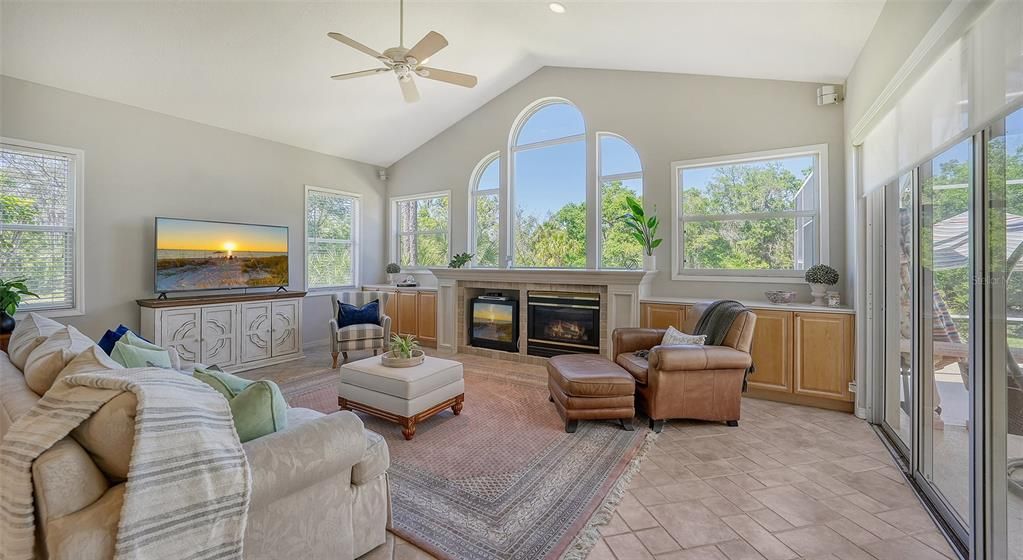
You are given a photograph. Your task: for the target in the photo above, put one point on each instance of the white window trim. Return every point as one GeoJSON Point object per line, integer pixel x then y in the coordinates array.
{"type": "Point", "coordinates": [475, 191]}
{"type": "Point", "coordinates": [355, 240]}
{"type": "Point", "coordinates": [79, 227]}
{"type": "Point", "coordinates": [601, 179]}
{"type": "Point", "coordinates": [394, 225]}
{"type": "Point", "coordinates": [772, 276]}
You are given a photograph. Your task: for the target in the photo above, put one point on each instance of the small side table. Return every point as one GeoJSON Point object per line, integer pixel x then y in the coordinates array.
{"type": "Point", "coordinates": [4, 339]}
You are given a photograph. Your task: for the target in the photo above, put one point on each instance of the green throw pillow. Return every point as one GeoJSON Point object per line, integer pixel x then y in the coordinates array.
{"type": "Point", "coordinates": [132, 339]}
{"type": "Point", "coordinates": [257, 407]}
{"type": "Point", "coordinates": [133, 357]}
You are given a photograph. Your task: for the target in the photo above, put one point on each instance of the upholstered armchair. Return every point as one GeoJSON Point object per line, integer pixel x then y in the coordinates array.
{"type": "Point", "coordinates": [368, 336]}
{"type": "Point", "coordinates": [689, 380]}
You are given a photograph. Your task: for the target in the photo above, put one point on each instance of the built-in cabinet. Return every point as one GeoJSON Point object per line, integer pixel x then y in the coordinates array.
{"type": "Point", "coordinates": [804, 357]}
{"type": "Point", "coordinates": [233, 332]}
{"type": "Point", "coordinates": [412, 311]}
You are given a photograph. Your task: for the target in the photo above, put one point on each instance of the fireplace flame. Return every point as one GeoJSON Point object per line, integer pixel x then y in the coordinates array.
{"type": "Point", "coordinates": [567, 330]}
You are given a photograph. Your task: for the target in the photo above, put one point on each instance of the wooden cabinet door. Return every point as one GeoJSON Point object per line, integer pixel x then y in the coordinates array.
{"type": "Point", "coordinates": [391, 309]}
{"type": "Point", "coordinates": [255, 339]}
{"type": "Point", "coordinates": [427, 319]}
{"type": "Point", "coordinates": [180, 329]}
{"type": "Point", "coordinates": [662, 315]}
{"type": "Point", "coordinates": [285, 320]}
{"type": "Point", "coordinates": [823, 355]}
{"type": "Point", "coordinates": [220, 335]}
{"type": "Point", "coordinates": [408, 313]}
{"type": "Point", "coordinates": [772, 351]}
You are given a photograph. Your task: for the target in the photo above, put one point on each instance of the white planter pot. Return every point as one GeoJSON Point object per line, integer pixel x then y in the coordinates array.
{"type": "Point", "coordinates": [649, 262]}
{"type": "Point", "coordinates": [819, 291]}
{"type": "Point", "coordinates": [393, 278]}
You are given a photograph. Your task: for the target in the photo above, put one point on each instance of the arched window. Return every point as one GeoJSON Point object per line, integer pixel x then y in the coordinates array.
{"type": "Point", "coordinates": [620, 175]}
{"type": "Point", "coordinates": [548, 187]}
{"type": "Point", "coordinates": [484, 211]}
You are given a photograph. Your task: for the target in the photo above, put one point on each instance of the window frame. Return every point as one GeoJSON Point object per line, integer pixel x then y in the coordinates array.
{"type": "Point", "coordinates": [601, 179]}
{"type": "Point", "coordinates": [396, 234]}
{"type": "Point", "coordinates": [474, 192]}
{"type": "Point", "coordinates": [820, 151]}
{"type": "Point", "coordinates": [514, 148]}
{"type": "Point", "coordinates": [77, 229]}
{"type": "Point", "coordinates": [355, 241]}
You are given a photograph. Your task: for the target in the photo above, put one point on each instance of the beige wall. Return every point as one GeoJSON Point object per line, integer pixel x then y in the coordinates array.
{"type": "Point", "coordinates": [666, 117]}
{"type": "Point", "coordinates": [140, 164]}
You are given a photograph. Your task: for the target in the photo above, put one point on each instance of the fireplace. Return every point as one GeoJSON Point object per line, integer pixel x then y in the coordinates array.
{"type": "Point", "coordinates": [494, 323]}
{"type": "Point", "coordinates": [563, 323]}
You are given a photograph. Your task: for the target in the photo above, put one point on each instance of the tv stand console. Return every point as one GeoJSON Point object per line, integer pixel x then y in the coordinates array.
{"type": "Point", "coordinates": [235, 332]}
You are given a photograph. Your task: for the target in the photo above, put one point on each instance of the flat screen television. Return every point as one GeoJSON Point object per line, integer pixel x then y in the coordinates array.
{"type": "Point", "coordinates": [193, 255]}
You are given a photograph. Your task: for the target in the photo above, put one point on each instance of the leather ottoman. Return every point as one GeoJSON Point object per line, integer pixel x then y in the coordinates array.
{"type": "Point", "coordinates": [589, 387]}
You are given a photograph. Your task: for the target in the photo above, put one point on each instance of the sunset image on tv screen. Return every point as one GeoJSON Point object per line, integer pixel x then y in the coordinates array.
{"type": "Point", "coordinates": [196, 255]}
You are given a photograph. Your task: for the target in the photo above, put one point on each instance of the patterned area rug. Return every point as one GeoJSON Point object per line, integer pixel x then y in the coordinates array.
{"type": "Point", "coordinates": [502, 480]}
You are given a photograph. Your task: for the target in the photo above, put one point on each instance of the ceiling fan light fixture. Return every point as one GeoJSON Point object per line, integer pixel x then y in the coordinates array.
{"type": "Point", "coordinates": [557, 7]}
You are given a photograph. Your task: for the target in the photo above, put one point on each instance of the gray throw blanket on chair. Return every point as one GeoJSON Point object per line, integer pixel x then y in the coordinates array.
{"type": "Point", "coordinates": [715, 323]}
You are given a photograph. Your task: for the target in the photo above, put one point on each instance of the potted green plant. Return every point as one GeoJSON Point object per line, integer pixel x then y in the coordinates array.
{"type": "Point", "coordinates": [11, 294]}
{"type": "Point", "coordinates": [404, 352]}
{"type": "Point", "coordinates": [820, 277]}
{"type": "Point", "coordinates": [460, 260]}
{"type": "Point", "coordinates": [392, 272]}
{"type": "Point", "coordinates": [644, 229]}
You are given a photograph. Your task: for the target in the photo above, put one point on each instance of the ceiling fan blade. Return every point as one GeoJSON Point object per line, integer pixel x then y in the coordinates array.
{"type": "Point", "coordinates": [356, 45]}
{"type": "Point", "coordinates": [427, 47]}
{"type": "Point", "coordinates": [457, 78]}
{"type": "Point", "coordinates": [359, 74]}
{"type": "Point", "coordinates": [409, 90]}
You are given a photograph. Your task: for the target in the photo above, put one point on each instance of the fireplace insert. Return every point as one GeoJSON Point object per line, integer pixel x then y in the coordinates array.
{"type": "Point", "coordinates": [494, 323]}
{"type": "Point", "coordinates": [563, 323]}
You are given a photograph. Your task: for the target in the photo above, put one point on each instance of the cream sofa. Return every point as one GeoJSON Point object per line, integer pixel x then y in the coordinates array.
{"type": "Point", "coordinates": [319, 488]}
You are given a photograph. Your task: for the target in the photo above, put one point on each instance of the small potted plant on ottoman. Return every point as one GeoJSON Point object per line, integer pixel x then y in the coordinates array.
{"type": "Point", "coordinates": [404, 352]}
{"type": "Point", "coordinates": [820, 277]}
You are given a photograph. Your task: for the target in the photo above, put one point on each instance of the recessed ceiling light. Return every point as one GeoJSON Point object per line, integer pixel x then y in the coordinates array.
{"type": "Point", "coordinates": [557, 7]}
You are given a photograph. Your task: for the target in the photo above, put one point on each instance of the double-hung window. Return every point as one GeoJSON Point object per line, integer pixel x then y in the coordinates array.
{"type": "Point", "coordinates": [751, 215]}
{"type": "Point", "coordinates": [422, 230]}
{"type": "Point", "coordinates": [331, 238]}
{"type": "Point", "coordinates": [40, 223]}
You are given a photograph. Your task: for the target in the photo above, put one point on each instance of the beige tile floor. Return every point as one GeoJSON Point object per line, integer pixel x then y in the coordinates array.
{"type": "Point", "coordinates": [790, 482]}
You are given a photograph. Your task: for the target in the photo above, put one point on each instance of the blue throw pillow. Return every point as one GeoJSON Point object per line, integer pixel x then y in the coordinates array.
{"type": "Point", "coordinates": [352, 315]}
{"type": "Point", "coordinates": [111, 337]}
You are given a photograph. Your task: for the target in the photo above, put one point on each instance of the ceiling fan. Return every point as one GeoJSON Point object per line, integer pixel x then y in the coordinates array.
{"type": "Point", "coordinates": [406, 62]}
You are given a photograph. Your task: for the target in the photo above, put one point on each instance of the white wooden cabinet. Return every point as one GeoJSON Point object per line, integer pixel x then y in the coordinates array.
{"type": "Point", "coordinates": [234, 332]}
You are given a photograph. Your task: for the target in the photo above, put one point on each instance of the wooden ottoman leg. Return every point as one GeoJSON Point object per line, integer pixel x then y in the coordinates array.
{"type": "Point", "coordinates": [571, 426]}
{"type": "Point", "coordinates": [457, 407]}
{"type": "Point", "coordinates": [656, 425]}
{"type": "Point", "coordinates": [342, 403]}
{"type": "Point", "coordinates": [408, 427]}
{"type": "Point", "coordinates": [627, 424]}
{"type": "Point", "coordinates": [733, 423]}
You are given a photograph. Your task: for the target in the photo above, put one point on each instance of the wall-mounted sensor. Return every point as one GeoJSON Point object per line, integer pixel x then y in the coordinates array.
{"type": "Point", "coordinates": [829, 95]}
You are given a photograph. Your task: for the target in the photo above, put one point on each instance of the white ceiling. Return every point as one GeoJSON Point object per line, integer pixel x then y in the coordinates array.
{"type": "Point", "coordinates": [262, 68]}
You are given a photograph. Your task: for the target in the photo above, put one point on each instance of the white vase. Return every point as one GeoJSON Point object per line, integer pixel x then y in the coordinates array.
{"type": "Point", "coordinates": [392, 278]}
{"type": "Point", "coordinates": [649, 262]}
{"type": "Point", "coordinates": [819, 291]}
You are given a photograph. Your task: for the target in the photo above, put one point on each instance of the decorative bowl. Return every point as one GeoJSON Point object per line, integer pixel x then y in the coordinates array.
{"type": "Point", "coordinates": [780, 296]}
{"type": "Point", "coordinates": [389, 360]}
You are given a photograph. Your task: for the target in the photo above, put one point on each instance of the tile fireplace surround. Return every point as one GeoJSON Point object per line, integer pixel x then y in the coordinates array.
{"type": "Point", "coordinates": [620, 292]}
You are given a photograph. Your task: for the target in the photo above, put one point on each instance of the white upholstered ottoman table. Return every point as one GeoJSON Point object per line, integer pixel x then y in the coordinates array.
{"type": "Point", "coordinates": [403, 395]}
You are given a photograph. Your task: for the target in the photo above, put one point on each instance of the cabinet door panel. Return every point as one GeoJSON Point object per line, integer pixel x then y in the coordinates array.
{"type": "Point", "coordinates": [255, 340]}
{"type": "Point", "coordinates": [179, 329]}
{"type": "Point", "coordinates": [284, 328]}
{"type": "Point", "coordinates": [772, 351]}
{"type": "Point", "coordinates": [662, 315]}
{"type": "Point", "coordinates": [823, 357]}
{"type": "Point", "coordinates": [428, 318]}
{"type": "Point", "coordinates": [391, 308]}
{"type": "Point", "coordinates": [408, 315]}
{"type": "Point", "coordinates": [219, 335]}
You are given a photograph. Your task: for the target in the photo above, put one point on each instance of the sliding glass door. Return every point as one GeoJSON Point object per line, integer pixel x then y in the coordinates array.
{"type": "Point", "coordinates": [900, 372]}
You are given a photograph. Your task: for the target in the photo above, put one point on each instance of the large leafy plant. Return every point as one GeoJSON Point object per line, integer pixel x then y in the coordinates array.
{"type": "Point", "coordinates": [11, 294]}
{"type": "Point", "coordinates": [403, 346]}
{"type": "Point", "coordinates": [642, 227]}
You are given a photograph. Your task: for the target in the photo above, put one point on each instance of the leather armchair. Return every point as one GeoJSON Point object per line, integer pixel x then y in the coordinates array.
{"type": "Point", "coordinates": [689, 380]}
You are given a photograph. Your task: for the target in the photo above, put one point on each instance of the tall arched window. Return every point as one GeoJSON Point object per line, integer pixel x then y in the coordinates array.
{"type": "Point", "coordinates": [548, 187]}
{"type": "Point", "coordinates": [484, 211]}
{"type": "Point", "coordinates": [620, 176]}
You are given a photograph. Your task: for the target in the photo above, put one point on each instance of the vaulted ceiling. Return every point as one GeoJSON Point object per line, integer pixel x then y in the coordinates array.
{"type": "Point", "coordinates": [262, 68]}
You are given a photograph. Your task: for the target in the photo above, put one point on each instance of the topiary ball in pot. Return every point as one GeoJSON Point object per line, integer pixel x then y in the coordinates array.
{"type": "Point", "coordinates": [819, 277]}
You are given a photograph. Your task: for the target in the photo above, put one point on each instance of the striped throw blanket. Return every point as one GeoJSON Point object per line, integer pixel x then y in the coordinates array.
{"type": "Point", "coordinates": [188, 486]}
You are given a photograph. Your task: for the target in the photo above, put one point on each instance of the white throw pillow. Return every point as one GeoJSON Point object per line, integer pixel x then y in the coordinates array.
{"type": "Point", "coordinates": [52, 356]}
{"type": "Point", "coordinates": [674, 337]}
{"type": "Point", "coordinates": [29, 333]}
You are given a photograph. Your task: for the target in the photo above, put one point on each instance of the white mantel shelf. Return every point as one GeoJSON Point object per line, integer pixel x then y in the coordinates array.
{"type": "Point", "coordinates": [590, 277]}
